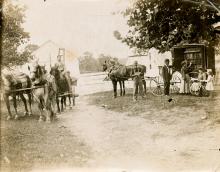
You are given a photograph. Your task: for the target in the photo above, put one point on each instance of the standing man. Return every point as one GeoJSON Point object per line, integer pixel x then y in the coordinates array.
{"type": "Point", "coordinates": [138, 84]}
{"type": "Point", "coordinates": [166, 77]}
{"type": "Point", "coordinates": [104, 66]}
{"type": "Point", "coordinates": [60, 65]}
{"type": "Point", "coordinates": [52, 92]}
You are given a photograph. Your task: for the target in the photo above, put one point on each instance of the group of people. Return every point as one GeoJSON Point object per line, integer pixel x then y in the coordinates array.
{"type": "Point", "coordinates": [202, 78]}
{"type": "Point", "coordinates": [205, 78]}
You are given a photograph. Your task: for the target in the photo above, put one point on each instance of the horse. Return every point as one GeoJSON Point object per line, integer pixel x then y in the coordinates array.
{"type": "Point", "coordinates": [121, 73]}
{"type": "Point", "coordinates": [12, 81]}
{"type": "Point", "coordinates": [63, 87]}
{"type": "Point", "coordinates": [44, 92]}
{"type": "Point", "coordinates": [118, 74]}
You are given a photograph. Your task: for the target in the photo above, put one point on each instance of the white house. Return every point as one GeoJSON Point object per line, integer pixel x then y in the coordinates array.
{"type": "Point", "coordinates": [47, 55]}
{"type": "Point", "coordinates": [153, 60]}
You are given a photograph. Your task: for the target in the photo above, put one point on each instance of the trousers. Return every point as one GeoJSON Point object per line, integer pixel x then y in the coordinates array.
{"type": "Point", "coordinates": [166, 88]}
{"type": "Point", "coordinates": [138, 86]}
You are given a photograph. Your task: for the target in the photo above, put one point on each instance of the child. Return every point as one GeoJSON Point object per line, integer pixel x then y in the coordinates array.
{"type": "Point", "coordinates": [209, 85]}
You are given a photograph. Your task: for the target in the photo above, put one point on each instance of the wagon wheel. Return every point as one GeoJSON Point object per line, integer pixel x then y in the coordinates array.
{"type": "Point", "coordinates": [193, 92]}
{"type": "Point", "coordinates": [156, 87]}
{"type": "Point", "coordinates": [174, 82]}
{"type": "Point", "coordinates": [204, 91]}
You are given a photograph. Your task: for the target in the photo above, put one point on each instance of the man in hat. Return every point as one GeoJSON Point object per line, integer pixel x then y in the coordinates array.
{"type": "Point", "coordinates": [166, 77]}
{"type": "Point", "coordinates": [60, 65]}
{"type": "Point", "coordinates": [138, 84]}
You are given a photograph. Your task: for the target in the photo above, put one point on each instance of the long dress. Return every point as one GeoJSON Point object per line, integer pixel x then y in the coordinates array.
{"type": "Point", "coordinates": [184, 88]}
{"type": "Point", "coordinates": [210, 85]}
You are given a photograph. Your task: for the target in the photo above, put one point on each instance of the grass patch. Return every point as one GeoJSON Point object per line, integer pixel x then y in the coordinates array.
{"type": "Point", "coordinates": [28, 144]}
{"type": "Point", "coordinates": [159, 108]}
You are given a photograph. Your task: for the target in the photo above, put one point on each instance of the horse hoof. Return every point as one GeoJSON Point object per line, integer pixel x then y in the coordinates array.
{"type": "Point", "coordinates": [40, 120]}
{"type": "Point", "coordinates": [29, 113]}
{"type": "Point", "coordinates": [48, 121]}
{"type": "Point", "coordinates": [16, 117]}
{"type": "Point", "coordinates": [9, 118]}
{"type": "Point", "coordinates": [71, 107]}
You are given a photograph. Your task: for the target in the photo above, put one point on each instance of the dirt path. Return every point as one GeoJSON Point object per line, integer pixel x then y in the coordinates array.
{"type": "Point", "coordinates": [119, 141]}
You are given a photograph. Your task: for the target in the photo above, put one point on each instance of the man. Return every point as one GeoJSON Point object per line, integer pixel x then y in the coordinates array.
{"type": "Point", "coordinates": [138, 84]}
{"type": "Point", "coordinates": [104, 66]}
{"type": "Point", "coordinates": [166, 77]}
{"type": "Point", "coordinates": [60, 65]}
{"type": "Point", "coordinates": [52, 91]}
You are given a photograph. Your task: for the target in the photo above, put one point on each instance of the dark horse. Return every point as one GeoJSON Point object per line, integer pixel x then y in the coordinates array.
{"type": "Point", "coordinates": [121, 73]}
{"type": "Point", "coordinates": [12, 82]}
{"type": "Point", "coordinates": [63, 88]}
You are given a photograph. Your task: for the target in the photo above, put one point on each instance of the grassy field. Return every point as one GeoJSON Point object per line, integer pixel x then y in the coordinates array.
{"type": "Point", "coordinates": [151, 108]}
{"type": "Point", "coordinates": [27, 144]}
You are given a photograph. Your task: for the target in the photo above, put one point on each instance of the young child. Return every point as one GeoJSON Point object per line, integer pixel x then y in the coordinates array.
{"type": "Point", "coordinates": [209, 85]}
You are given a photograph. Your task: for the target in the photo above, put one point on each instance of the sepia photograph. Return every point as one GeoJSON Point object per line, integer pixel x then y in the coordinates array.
{"type": "Point", "coordinates": [110, 85]}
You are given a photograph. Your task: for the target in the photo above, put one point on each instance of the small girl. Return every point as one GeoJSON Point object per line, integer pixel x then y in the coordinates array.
{"type": "Point", "coordinates": [210, 85]}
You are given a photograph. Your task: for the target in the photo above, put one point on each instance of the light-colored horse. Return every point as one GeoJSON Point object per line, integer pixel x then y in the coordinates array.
{"type": "Point", "coordinates": [44, 93]}
{"type": "Point", "coordinates": [12, 81]}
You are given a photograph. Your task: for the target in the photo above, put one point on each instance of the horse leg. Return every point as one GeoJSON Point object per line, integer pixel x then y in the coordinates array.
{"type": "Point", "coordinates": [6, 99]}
{"type": "Point", "coordinates": [114, 83]}
{"type": "Point", "coordinates": [73, 98]}
{"type": "Point", "coordinates": [120, 83]}
{"type": "Point", "coordinates": [145, 87]}
{"type": "Point", "coordinates": [41, 107]}
{"type": "Point", "coordinates": [58, 104]}
{"type": "Point", "coordinates": [25, 103]}
{"type": "Point", "coordinates": [48, 109]}
{"type": "Point", "coordinates": [62, 102]}
{"type": "Point", "coordinates": [70, 102]}
{"type": "Point", "coordinates": [123, 86]}
{"type": "Point", "coordinates": [15, 106]}
{"type": "Point", "coordinates": [29, 103]}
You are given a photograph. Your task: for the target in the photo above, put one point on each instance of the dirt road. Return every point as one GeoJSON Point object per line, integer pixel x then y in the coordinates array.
{"type": "Point", "coordinates": [131, 143]}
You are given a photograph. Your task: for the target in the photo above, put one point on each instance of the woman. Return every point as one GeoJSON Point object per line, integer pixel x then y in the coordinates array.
{"type": "Point", "coordinates": [184, 88]}
{"type": "Point", "coordinates": [201, 75]}
{"type": "Point", "coordinates": [209, 85]}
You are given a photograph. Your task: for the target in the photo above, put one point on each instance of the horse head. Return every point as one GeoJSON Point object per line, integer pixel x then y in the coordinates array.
{"type": "Point", "coordinates": [38, 75]}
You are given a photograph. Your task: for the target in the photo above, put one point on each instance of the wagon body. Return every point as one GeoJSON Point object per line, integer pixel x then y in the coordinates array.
{"type": "Point", "coordinates": [200, 55]}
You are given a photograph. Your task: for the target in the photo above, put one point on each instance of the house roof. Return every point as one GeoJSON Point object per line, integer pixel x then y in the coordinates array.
{"type": "Point", "coordinates": [68, 53]}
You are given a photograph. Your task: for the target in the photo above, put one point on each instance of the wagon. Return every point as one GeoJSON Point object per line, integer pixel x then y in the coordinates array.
{"type": "Point", "coordinates": [200, 55]}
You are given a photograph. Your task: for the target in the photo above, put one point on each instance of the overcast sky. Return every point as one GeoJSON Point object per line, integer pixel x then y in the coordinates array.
{"type": "Point", "coordinates": [79, 25]}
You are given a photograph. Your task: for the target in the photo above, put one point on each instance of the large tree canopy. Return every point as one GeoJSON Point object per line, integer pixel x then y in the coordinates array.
{"type": "Point", "coordinates": [13, 35]}
{"type": "Point", "coordinates": [165, 23]}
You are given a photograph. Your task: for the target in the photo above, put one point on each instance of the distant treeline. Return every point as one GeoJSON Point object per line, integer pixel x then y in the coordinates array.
{"type": "Point", "coordinates": [88, 63]}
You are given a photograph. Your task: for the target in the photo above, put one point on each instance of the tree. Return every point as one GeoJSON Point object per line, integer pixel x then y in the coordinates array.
{"type": "Point", "coordinates": [163, 24]}
{"type": "Point", "coordinates": [87, 63]}
{"type": "Point", "coordinates": [13, 35]}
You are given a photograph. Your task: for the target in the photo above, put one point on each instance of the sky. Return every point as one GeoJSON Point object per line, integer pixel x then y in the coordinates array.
{"type": "Point", "coordinates": [78, 25]}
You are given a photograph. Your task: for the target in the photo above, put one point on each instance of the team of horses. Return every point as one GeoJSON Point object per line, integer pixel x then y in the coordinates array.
{"type": "Point", "coordinates": [46, 89]}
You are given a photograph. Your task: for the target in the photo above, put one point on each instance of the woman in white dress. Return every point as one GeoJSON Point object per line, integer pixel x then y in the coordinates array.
{"type": "Point", "coordinates": [209, 85]}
